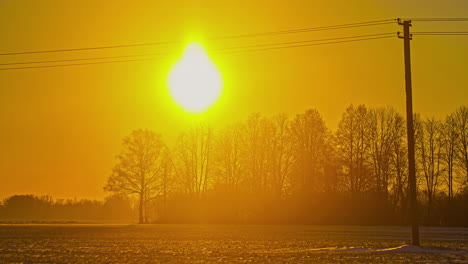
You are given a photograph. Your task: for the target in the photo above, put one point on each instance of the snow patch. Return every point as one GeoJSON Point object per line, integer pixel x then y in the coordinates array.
{"type": "Point", "coordinates": [400, 249]}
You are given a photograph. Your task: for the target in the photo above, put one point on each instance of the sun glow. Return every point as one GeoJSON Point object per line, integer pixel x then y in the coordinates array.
{"type": "Point", "coordinates": [194, 81]}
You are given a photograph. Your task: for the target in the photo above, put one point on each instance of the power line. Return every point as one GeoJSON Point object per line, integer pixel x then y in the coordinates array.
{"type": "Point", "coordinates": [307, 45]}
{"type": "Point", "coordinates": [89, 48]}
{"type": "Point", "coordinates": [246, 49]}
{"type": "Point", "coordinates": [75, 64]}
{"type": "Point", "coordinates": [270, 33]}
{"type": "Point", "coordinates": [308, 41]}
{"type": "Point", "coordinates": [82, 59]}
{"type": "Point", "coordinates": [293, 31]}
{"type": "Point", "coordinates": [440, 19]}
{"type": "Point", "coordinates": [311, 29]}
{"type": "Point", "coordinates": [441, 33]}
{"type": "Point", "coordinates": [228, 48]}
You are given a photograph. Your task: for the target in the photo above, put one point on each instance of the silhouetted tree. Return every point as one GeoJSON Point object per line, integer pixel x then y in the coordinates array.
{"type": "Point", "coordinates": [280, 170]}
{"type": "Point", "coordinates": [353, 145]}
{"type": "Point", "coordinates": [281, 150]}
{"type": "Point", "coordinates": [430, 152]}
{"type": "Point", "coordinates": [193, 159]}
{"type": "Point", "coordinates": [450, 139]}
{"type": "Point", "coordinates": [256, 133]}
{"type": "Point", "coordinates": [228, 166]}
{"type": "Point", "coordinates": [310, 137]}
{"type": "Point", "coordinates": [31, 208]}
{"type": "Point", "coordinates": [139, 169]}
{"type": "Point", "coordinates": [27, 206]}
{"type": "Point", "coordinates": [461, 125]}
{"type": "Point", "coordinates": [385, 128]}
{"type": "Point", "coordinates": [399, 165]}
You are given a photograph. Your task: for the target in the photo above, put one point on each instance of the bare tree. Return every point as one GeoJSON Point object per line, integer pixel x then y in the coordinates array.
{"type": "Point", "coordinates": [194, 150]}
{"type": "Point", "coordinates": [311, 137]}
{"type": "Point", "coordinates": [399, 166]}
{"type": "Point", "coordinates": [281, 154]}
{"type": "Point", "coordinates": [256, 133]}
{"type": "Point", "coordinates": [461, 125]}
{"type": "Point", "coordinates": [168, 178]}
{"type": "Point", "coordinates": [353, 145]}
{"type": "Point", "coordinates": [450, 141]}
{"type": "Point", "coordinates": [227, 159]}
{"type": "Point", "coordinates": [139, 169]}
{"type": "Point", "coordinates": [430, 152]}
{"type": "Point", "coordinates": [385, 128]}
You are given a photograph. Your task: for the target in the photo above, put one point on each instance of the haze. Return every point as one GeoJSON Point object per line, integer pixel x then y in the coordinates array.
{"type": "Point", "coordinates": [62, 127]}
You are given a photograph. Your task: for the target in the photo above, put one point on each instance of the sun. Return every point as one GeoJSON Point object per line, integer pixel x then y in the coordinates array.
{"type": "Point", "coordinates": [194, 81]}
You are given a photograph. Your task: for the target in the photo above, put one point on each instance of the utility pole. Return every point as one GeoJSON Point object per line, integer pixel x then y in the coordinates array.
{"type": "Point", "coordinates": [410, 133]}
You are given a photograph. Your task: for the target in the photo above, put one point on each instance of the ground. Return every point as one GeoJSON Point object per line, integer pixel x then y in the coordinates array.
{"type": "Point", "coordinates": [227, 244]}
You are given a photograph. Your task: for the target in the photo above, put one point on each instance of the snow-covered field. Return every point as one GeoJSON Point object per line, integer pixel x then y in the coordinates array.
{"type": "Point", "coordinates": [228, 244]}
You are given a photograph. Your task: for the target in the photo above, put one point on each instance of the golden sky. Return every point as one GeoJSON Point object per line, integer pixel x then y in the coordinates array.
{"type": "Point", "coordinates": [62, 127]}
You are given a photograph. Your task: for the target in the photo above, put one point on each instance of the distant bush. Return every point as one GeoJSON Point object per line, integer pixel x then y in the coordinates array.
{"type": "Point", "coordinates": [31, 208]}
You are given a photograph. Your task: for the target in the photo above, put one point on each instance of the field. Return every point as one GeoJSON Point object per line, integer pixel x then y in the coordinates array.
{"type": "Point", "coordinates": [227, 244]}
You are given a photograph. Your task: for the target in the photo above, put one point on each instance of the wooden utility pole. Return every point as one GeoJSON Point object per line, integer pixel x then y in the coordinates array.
{"type": "Point", "coordinates": [410, 133]}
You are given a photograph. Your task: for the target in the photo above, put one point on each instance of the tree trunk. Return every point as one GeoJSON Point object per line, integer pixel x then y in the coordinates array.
{"type": "Point", "coordinates": [140, 209]}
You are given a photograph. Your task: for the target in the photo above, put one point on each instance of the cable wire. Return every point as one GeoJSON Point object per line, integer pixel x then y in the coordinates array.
{"type": "Point", "coordinates": [306, 45]}
{"type": "Point", "coordinates": [89, 48]}
{"type": "Point", "coordinates": [308, 41]}
{"type": "Point", "coordinates": [310, 29]}
{"type": "Point", "coordinates": [441, 19]}
{"type": "Point", "coordinates": [221, 49]}
{"type": "Point", "coordinates": [441, 33]}
{"type": "Point", "coordinates": [76, 64]}
{"type": "Point", "coordinates": [82, 59]}
{"type": "Point", "coordinates": [235, 51]}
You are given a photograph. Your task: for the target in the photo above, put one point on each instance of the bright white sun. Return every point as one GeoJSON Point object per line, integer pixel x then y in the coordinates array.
{"type": "Point", "coordinates": [194, 81]}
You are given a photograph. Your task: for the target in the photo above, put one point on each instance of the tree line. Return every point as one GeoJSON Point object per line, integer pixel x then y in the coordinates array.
{"type": "Point", "coordinates": [45, 209]}
{"type": "Point", "coordinates": [284, 169]}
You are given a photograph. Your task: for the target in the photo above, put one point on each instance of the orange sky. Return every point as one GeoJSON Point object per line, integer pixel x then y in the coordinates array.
{"type": "Point", "coordinates": [62, 127]}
